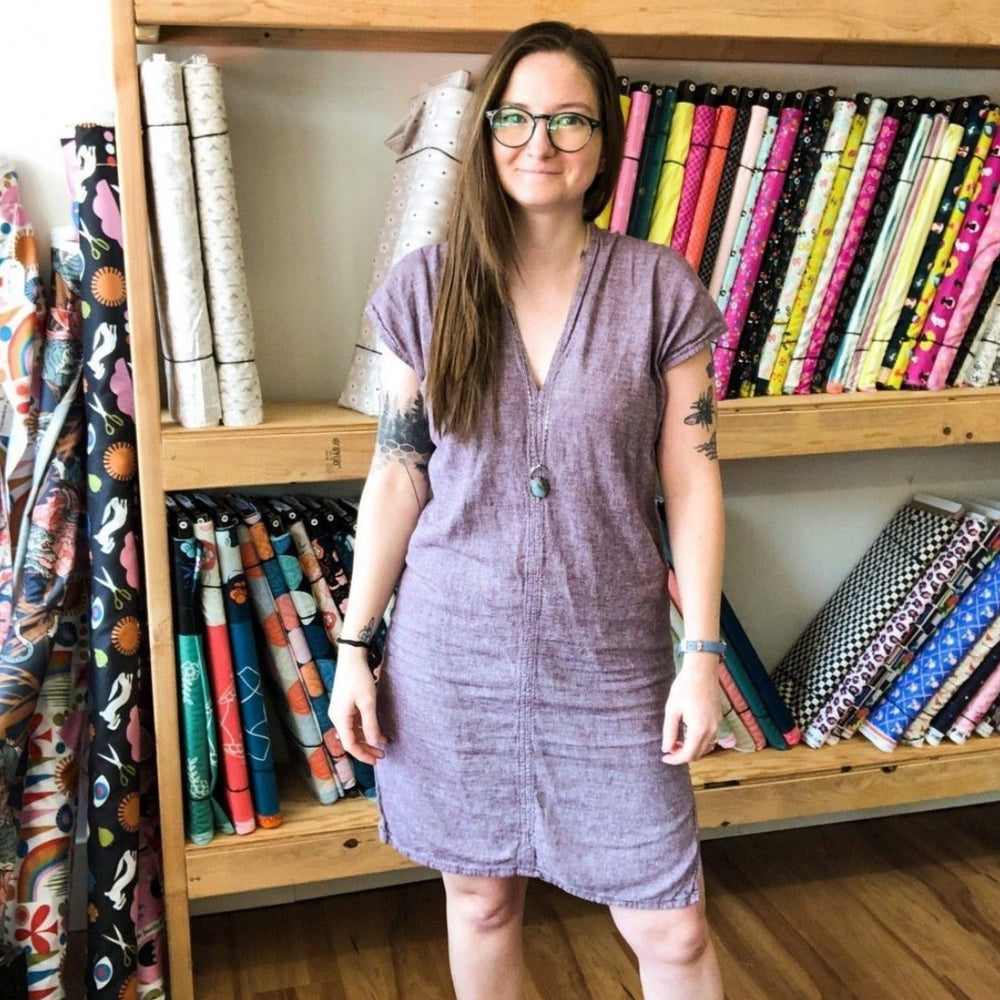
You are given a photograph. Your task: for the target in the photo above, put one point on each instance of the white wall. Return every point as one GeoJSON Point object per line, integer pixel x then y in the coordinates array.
{"type": "Point", "coordinates": [312, 174]}
{"type": "Point", "coordinates": [57, 71]}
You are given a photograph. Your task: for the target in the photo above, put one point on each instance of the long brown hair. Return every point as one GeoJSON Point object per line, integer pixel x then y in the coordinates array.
{"type": "Point", "coordinates": [464, 364]}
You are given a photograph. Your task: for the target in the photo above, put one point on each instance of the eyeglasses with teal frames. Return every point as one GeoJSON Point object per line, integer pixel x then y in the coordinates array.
{"type": "Point", "coordinates": [568, 131]}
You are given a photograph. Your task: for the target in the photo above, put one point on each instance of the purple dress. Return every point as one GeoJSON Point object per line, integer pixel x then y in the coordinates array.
{"type": "Point", "coordinates": [529, 656]}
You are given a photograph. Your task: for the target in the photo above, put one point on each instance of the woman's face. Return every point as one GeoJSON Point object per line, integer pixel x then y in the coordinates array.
{"type": "Point", "coordinates": [538, 177]}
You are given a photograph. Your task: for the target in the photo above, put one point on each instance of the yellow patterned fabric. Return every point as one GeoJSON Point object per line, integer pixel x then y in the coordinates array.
{"type": "Point", "coordinates": [970, 185]}
{"type": "Point", "coordinates": [777, 352]}
{"type": "Point", "coordinates": [817, 255]}
{"type": "Point", "coordinates": [668, 193]}
{"type": "Point", "coordinates": [604, 219]}
{"type": "Point", "coordinates": [926, 199]}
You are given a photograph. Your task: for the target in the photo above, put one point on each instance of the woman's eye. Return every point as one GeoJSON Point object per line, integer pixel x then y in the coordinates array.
{"type": "Point", "coordinates": [510, 117]}
{"type": "Point", "coordinates": [567, 121]}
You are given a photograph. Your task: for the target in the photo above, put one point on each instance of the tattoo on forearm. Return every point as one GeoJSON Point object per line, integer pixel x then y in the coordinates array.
{"type": "Point", "coordinates": [710, 369]}
{"type": "Point", "coordinates": [368, 632]}
{"type": "Point", "coordinates": [703, 415]}
{"type": "Point", "coordinates": [708, 449]}
{"type": "Point", "coordinates": [404, 435]}
{"type": "Point", "coordinates": [704, 410]}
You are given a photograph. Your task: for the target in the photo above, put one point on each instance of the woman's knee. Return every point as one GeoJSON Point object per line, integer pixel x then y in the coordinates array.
{"type": "Point", "coordinates": [485, 903]}
{"type": "Point", "coordinates": [673, 937]}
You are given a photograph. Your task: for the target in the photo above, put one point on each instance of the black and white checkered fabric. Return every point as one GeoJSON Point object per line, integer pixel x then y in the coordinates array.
{"type": "Point", "coordinates": [820, 658]}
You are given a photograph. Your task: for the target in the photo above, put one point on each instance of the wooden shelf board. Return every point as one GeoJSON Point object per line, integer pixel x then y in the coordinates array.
{"type": "Point", "coordinates": [320, 441]}
{"type": "Point", "coordinates": [712, 49]}
{"type": "Point", "coordinates": [842, 31]}
{"type": "Point", "coordinates": [319, 842]}
{"type": "Point", "coordinates": [735, 789]}
{"type": "Point", "coordinates": [296, 443]}
{"type": "Point", "coordinates": [314, 843]}
{"type": "Point", "coordinates": [771, 426]}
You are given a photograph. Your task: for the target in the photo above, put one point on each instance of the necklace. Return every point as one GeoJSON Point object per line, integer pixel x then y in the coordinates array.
{"type": "Point", "coordinates": [539, 477]}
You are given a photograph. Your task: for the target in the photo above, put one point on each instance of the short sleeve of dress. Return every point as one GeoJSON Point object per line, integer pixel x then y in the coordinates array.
{"type": "Point", "coordinates": [402, 308]}
{"type": "Point", "coordinates": [688, 317]}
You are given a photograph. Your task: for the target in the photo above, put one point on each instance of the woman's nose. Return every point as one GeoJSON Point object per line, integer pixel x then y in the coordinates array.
{"type": "Point", "coordinates": [540, 144]}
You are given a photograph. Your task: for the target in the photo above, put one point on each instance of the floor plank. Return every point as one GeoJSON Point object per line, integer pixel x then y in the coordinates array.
{"type": "Point", "coordinates": [897, 907]}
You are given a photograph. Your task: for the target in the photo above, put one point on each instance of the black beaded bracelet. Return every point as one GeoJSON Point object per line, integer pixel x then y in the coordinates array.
{"type": "Point", "coordinates": [360, 643]}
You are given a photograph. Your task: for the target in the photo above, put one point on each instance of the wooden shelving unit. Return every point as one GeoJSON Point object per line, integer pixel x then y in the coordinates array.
{"type": "Point", "coordinates": [731, 790]}
{"type": "Point", "coordinates": [307, 442]}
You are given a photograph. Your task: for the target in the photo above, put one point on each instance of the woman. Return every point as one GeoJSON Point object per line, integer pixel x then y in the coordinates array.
{"type": "Point", "coordinates": [542, 380]}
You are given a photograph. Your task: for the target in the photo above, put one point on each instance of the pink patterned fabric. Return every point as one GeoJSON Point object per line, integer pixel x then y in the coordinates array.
{"type": "Point", "coordinates": [635, 130]}
{"type": "Point", "coordinates": [973, 713]}
{"type": "Point", "coordinates": [855, 229]}
{"type": "Point", "coordinates": [940, 324]}
{"type": "Point", "coordinates": [753, 248]}
{"type": "Point", "coordinates": [986, 253]}
{"type": "Point", "coordinates": [701, 138]}
{"type": "Point", "coordinates": [748, 157]}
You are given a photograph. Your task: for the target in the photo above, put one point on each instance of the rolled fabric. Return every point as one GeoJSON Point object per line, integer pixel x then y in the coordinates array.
{"type": "Point", "coordinates": [939, 319]}
{"type": "Point", "coordinates": [779, 342]}
{"type": "Point", "coordinates": [959, 192]}
{"type": "Point", "coordinates": [777, 253]}
{"type": "Point", "coordinates": [839, 378]}
{"type": "Point", "coordinates": [426, 144]}
{"type": "Point", "coordinates": [854, 160]}
{"type": "Point", "coordinates": [635, 132]}
{"type": "Point", "coordinates": [983, 361]}
{"type": "Point", "coordinates": [709, 193]}
{"type": "Point", "coordinates": [976, 280]}
{"type": "Point", "coordinates": [761, 129]}
{"type": "Point", "coordinates": [651, 160]}
{"type": "Point", "coordinates": [925, 198]}
{"type": "Point", "coordinates": [702, 128]}
{"type": "Point", "coordinates": [178, 274]}
{"type": "Point", "coordinates": [222, 245]}
{"type": "Point", "coordinates": [748, 108]}
{"type": "Point", "coordinates": [118, 613]}
{"type": "Point", "coordinates": [765, 205]}
{"type": "Point", "coordinates": [936, 660]}
{"type": "Point", "coordinates": [859, 243]}
{"type": "Point", "coordinates": [668, 192]}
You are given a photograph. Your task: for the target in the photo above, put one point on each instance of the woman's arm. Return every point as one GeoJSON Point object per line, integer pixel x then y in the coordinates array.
{"type": "Point", "coordinates": [395, 492]}
{"type": "Point", "coordinates": [692, 490]}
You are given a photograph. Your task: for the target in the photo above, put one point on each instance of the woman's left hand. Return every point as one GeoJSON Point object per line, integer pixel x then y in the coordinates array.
{"type": "Point", "coordinates": [693, 710]}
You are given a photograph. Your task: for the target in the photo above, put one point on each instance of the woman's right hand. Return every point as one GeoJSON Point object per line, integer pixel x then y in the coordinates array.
{"type": "Point", "coordinates": [352, 707]}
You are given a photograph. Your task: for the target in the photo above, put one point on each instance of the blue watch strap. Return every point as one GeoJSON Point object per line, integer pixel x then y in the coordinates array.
{"type": "Point", "coordinates": [716, 646]}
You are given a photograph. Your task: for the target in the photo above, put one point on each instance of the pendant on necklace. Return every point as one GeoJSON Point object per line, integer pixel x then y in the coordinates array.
{"type": "Point", "coordinates": [538, 483]}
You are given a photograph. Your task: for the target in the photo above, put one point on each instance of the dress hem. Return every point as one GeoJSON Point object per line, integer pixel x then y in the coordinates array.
{"type": "Point", "coordinates": [511, 871]}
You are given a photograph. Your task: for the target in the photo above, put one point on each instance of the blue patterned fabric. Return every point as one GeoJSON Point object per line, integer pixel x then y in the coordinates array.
{"type": "Point", "coordinates": [942, 653]}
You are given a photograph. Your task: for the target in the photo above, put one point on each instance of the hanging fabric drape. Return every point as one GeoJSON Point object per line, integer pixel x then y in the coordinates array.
{"type": "Point", "coordinates": [39, 671]}
{"type": "Point", "coordinates": [426, 145]}
{"type": "Point", "coordinates": [48, 634]}
{"type": "Point", "coordinates": [22, 312]}
{"type": "Point", "coordinates": [117, 956]}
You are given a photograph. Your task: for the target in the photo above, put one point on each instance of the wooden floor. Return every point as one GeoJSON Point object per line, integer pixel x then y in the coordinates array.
{"type": "Point", "coordinates": [890, 908]}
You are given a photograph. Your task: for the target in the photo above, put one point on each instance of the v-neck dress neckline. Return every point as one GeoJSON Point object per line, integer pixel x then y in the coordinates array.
{"type": "Point", "coordinates": [537, 389]}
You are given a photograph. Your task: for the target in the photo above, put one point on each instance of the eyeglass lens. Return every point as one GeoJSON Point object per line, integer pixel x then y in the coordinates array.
{"type": "Point", "coordinates": [513, 127]}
